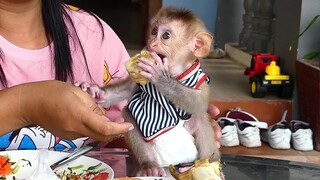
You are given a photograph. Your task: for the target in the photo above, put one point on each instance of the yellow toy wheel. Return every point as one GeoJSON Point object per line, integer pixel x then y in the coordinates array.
{"type": "Point", "coordinates": [256, 88]}
{"type": "Point", "coordinates": [253, 87]}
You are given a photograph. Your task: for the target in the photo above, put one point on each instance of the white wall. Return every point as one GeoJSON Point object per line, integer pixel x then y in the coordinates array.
{"type": "Point", "coordinates": [310, 41]}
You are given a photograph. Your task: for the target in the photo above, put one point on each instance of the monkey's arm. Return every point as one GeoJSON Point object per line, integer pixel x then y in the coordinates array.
{"type": "Point", "coordinates": [117, 92]}
{"type": "Point", "coordinates": [194, 101]}
{"type": "Point", "coordinates": [204, 135]}
{"type": "Point", "coordinates": [111, 94]}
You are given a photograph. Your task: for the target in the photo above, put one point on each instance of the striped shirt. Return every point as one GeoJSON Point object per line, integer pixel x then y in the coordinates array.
{"type": "Point", "coordinates": [154, 113]}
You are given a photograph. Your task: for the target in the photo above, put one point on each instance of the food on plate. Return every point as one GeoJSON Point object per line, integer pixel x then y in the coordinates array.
{"type": "Point", "coordinates": [34, 164]}
{"type": "Point", "coordinates": [134, 70]}
{"type": "Point", "coordinates": [9, 168]}
{"type": "Point", "coordinates": [126, 178]}
{"type": "Point", "coordinates": [202, 170]}
{"type": "Point", "coordinates": [79, 172]}
{"type": "Point", "coordinates": [5, 166]}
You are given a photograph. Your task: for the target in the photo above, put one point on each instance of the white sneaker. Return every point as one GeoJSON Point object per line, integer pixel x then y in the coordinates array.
{"type": "Point", "coordinates": [278, 135]}
{"type": "Point", "coordinates": [238, 113]}
{"type": "Point", "coordinates": [229, 136]}
{"type": "Point", "coordinates": [301, 135]}
{"type": "Point", "coordinates": [249, 135]}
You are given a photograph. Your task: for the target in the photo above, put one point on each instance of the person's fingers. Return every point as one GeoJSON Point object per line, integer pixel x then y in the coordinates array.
{"type": "Point", "coordinates": [99, 128]}
{"type": "Point", "coordinates": [213, 110]}
{"type": "Point", "coordinates": [98, 110]}
{"type": "Point", "coordinates": [93, 123]}
{"type": "Point", "coordinates": [119, 120]}
{"type": "Point", "coordinates": [217, 132]}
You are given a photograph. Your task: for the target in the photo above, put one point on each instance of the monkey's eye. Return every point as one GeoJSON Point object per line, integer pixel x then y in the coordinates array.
{"type": "Point", "coordinates": [166, 35]}
{"type": "Point", "coordinates": [154, 31]}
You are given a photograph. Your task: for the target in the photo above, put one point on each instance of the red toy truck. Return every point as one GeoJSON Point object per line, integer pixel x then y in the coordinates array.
{"type": "Point", "coordinates": [264, 76]}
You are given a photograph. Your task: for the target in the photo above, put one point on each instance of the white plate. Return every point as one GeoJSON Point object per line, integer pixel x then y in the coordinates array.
{"type": "Point", "coordinates": [31, 155]}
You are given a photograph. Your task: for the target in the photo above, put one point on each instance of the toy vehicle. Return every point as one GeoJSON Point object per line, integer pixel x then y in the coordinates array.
{"type": "Point", "coordinates": [264, 76]}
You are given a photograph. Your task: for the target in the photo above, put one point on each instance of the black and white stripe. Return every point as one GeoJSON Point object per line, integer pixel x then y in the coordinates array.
{"type": "Point", "coordinates": [154, 113]}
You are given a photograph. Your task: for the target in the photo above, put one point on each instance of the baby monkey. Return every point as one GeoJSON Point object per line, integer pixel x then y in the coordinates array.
{"type": "Point", "coordinates": [169, 112]}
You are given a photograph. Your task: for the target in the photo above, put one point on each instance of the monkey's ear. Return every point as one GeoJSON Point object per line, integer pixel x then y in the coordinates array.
{"type": "Point", "coordinates": [202, 44]}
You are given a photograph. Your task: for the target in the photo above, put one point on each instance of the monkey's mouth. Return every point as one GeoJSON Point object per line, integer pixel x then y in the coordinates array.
{"type": "Point", "coordinates": [161, 56]}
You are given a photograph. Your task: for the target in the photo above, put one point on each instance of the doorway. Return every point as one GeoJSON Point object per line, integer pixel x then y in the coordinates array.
{"type": "Point", "coordinates": [128, 18]}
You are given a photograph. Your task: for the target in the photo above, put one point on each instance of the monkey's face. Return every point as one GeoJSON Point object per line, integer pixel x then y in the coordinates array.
{"type": "Point", "coordinates": [169, 40]}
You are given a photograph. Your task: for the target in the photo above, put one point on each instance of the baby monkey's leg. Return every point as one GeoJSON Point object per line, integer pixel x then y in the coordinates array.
{"type": "Point", "coordinates": [142, 150]}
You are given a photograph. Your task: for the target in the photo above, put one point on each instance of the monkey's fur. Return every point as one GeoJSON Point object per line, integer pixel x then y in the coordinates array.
{"type": "Point", "coordinates": [181, 38]}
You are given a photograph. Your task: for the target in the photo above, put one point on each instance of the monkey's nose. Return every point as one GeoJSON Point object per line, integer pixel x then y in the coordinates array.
{"type": "Point", "coordinates": [153, 43]}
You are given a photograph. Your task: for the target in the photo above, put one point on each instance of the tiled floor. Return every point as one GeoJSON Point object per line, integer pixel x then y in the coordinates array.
{"type": "Point", "coordinates": [227, 79]}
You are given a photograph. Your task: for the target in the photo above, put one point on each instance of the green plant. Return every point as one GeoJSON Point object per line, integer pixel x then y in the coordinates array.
{"type": "Point", "coordinates": [310, 55]}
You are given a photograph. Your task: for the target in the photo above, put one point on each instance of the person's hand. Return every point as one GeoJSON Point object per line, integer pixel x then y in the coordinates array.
{"type": "Point", "coordinates": [214, 111]}
{"type": "Point", "coordinates": [68, 112]}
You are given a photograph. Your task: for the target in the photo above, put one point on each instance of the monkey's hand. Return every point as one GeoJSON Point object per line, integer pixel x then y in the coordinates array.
{"type": "Point", "coordinates": [154, 72]}
{"type": "Point", "coordinates": [151, 169]}
{"type": "Point", "coordinates": [110, 94]}
{"type": "Point", "coordinates": [134, 70]}
{"type": "Point", "coordinates": [202, 169]}
{"type": "Point", "coordinates": [94, 91]}
{"type": "Point", "coordinates": [159, 75]}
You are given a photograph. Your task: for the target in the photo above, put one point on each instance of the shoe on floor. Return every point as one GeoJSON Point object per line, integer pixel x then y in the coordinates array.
{"type": "Point", "coordinates": [238, 113]}
{"type": "Point", "coordinates": [278, 135]}
{"type": "Point", "coordinates": [229, 132]}
{"type": "Point", "coordinates": [301, 135]}
{"type": "Point", "coordinates": [216, 53]}
{"type": "Point", "coordinates": [249, 135]}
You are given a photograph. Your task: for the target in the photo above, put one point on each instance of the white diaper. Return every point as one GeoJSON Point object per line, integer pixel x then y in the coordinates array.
{"type": "Point", "coordinates": [175, 146]}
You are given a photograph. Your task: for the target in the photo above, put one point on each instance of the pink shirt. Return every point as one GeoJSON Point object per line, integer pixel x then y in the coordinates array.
{"type": "Point", "coordinates": [105, 59]}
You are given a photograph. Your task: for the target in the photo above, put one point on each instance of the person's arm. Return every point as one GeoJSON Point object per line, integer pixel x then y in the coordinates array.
{"type": "Point", "coordinates": [10, 113]}
{"type": "Point", "coordinates": [61, 108]}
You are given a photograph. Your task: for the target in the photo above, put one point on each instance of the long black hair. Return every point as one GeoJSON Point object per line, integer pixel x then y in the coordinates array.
{"type": "Point", "coordinates": [55, 15]}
